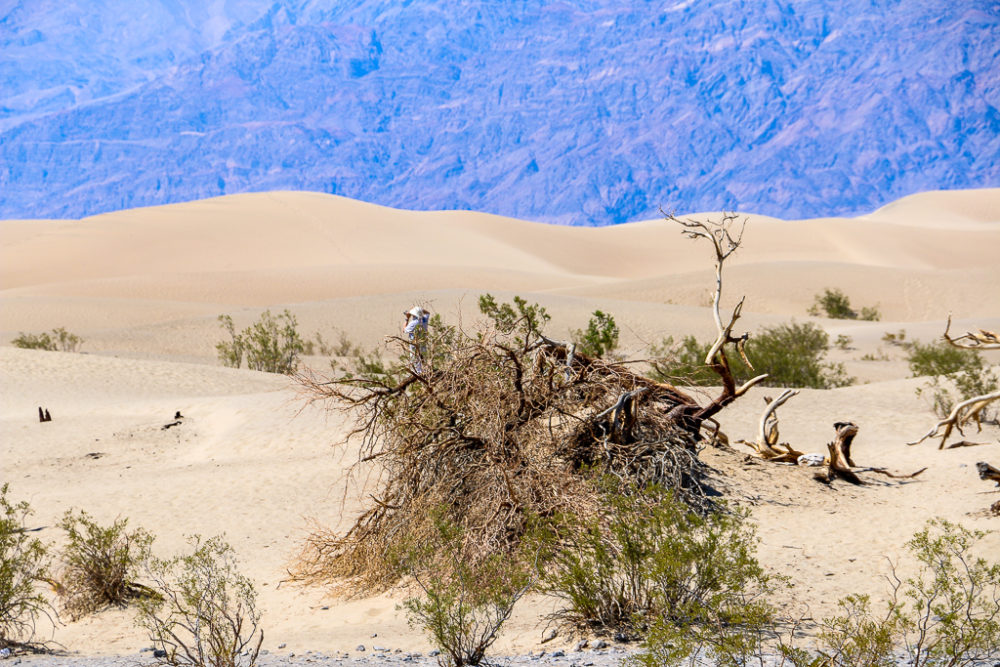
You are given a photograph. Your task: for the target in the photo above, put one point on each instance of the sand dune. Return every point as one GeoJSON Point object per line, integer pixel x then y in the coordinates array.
{"type": "Point", "coordinates": [144, 288]}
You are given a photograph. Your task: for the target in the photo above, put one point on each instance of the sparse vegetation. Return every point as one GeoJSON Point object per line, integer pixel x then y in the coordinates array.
{"type": "Point", "coordinates": [791, 354]}
{"type": "Point", "coordinates": [271, 344]}
{"type": "Point", "coordinates": [954, 374]}
{"type": "Point", "coordinates": [59, 339]}
{"type": "Point", "coordinates": [205, 613]}
{"type": "Point", "coordinates": [102, 564]}
{"type": "Point", "coordinates": [23, 564]}
{"type": "Point", "coordinates": [833, 303]}
{"type": "Point", "coordinates": [647, 561]}
{"type": "Point", "coordinates": [600, 338]}
{"type": "Point", "coordinates": [843, 342]}
{"type": "Point", "coordinates": [462, 607]}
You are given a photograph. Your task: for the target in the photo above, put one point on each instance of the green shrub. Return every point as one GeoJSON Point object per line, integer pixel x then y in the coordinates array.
{"type": "Point", "coordinates": [205, 614]}
{"type": "Point", "coordinates": [23, 564]}
{"type": "Point", "coordinates": [791, 354]}
{"type": "Point", "coordinates": [947, 614]}
{"type": "Point", "coordinates": [649, 562]}
{"type": "Point", "coordinates": [858, 638]}
{"type": "Point", "coordinates": [59, 339]}
{"type": "Point", "coordinates": [952, 616]}
{"type": "Point", "coordinates": [271, 344]}
{"type": "Point", "coordinates": [102, 564]}
{"type": "Point", "coordinates": [462, 607]}
{"type": "Point", "coordinates": [600, 338]}
{"type": "Point", "coordinates": [955, 374]}
{"type": "Point", "coordinates": [522, 317]}
{"type": "Point", "coordinates": [836, 305]}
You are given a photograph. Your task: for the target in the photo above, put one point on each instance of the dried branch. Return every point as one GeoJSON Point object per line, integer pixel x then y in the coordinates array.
{"type": "Point", "coordinates": [960, 415]}
{"type": "Point", "coordinates": [984, 340]}
{"type": "Point", "coordinates": [840, 462]}
{"type": "Point", "coordinates": [767, 445]}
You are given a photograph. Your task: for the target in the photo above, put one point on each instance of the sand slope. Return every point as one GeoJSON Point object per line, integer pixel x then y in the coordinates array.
{"type": "Point", "coordinates": [144, 288]}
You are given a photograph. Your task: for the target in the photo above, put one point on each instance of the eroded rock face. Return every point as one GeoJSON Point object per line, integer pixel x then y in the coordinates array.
{"type": "Point", "coordinates": [582, 113]}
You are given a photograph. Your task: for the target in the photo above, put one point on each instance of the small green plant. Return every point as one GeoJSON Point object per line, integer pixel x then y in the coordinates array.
{"type": "Point", "coordinates": [791, 354]}
{"type": "Point", "coordinates": [271, 344]}
{"type": "Point", "coordinates": [344, 347]}
{"type": "Point", "coordinates": [836, 305]}
{"type": "Point", "coordinates": [463, 606]}
{"type": "Point", "coordinates": [102, 563]}
{"type": "Point", "coordinates": [600, 338]}
{"type": "Point", "coordinates": [206, 613]}
{"type": "Point", "coordinates": [648, 561]}
{"type": "Point", "coordinates": [858, 638]}
{"type": "Point", "coordinates": [897, 339]}
{"type": "Point", "coordinates": [521, 317]}
{"type": "Point", "coordinates": [955, 374]}
{"type": "Point", "coordinates": [843, 342]}
{"type": "Point", "coordinates": [23, 564]}
{"type": "Point", "coordinates": [59, 339]}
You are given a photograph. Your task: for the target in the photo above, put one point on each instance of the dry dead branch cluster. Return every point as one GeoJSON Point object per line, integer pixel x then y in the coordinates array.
{"type": "Point", "coordinates": [503, 425]}
{"type": "Point", "coordinates": [495, 433]}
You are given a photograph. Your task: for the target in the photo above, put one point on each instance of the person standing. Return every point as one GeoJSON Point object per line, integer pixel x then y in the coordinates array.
{"type": "Point", "coordinates": [415, 330]}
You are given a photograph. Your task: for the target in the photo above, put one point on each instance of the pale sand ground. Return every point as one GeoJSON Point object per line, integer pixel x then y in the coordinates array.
{"type": "Point", "coordinates": [144, 288]}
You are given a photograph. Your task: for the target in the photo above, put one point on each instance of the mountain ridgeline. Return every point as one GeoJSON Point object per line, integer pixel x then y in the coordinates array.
{"type": "Point", "coordinates": [593, 112]}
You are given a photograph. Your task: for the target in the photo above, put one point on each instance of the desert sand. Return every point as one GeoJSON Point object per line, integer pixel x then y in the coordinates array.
{"type": "Point", "coordinates": [144, 289]}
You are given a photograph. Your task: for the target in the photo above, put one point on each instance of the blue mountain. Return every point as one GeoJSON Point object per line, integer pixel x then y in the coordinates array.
{"type": "Point", "coordinates": [590, 112]}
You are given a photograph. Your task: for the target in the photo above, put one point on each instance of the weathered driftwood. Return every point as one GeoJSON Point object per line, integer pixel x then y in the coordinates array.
{"type": "Point", "coordinates": [840, 462]}
{"type": "Point", "coordinates": [988, 472]}
{"type": "Point", "coordinates": [967, 411]}
{"type": "Point", "coordinates": [983, 340]}
{"type": "Point", "coordinates": [841, 465]}
{"type": "Point", "coordinates": [767, 444]}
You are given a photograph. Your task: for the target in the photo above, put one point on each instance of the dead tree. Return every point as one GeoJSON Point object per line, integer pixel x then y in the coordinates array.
{"type": "Point", "coordinates": [967, 411]}
{"type": "Point", "coordinates": [725, 243]}
{"type": "Point", "coordinates": [983, 340]}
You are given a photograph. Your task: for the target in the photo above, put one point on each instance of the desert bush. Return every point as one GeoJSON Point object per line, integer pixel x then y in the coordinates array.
{"type": "Point", "coordinates": [836, 305]}
{"type": "Point", "coordinates": [271, 344]}
{"type": "Point", "coordinates": [948, 613]}
{"type": "Point", "coordinates": [205, 614]}
{"type": "Point", "coordinates": [645, 560]}
{"type": "Point", "coordinates": [955, 374]}
{"type": "Point", "coordinates": [462, 606]}
{"type": "Point", "coordinates": [59, 339]}
{"type": "Point", "coordinates": [951, 609]}
{"type": "Point", "coordinates": [23, 564]}
{"type": "Point", "coordinates": [501, 425]}
{"type": "Point", "coordinates": [600, 338]}
{"type": "Point", "coordinates": [857, 637]}
{"type": "Point", "coordinates": [101, 564]}
{"type": "Point", "coordinates": [791, 354]}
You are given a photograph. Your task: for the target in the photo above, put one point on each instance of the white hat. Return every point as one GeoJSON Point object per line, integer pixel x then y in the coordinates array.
{"type": "Point", "coordinates": [416, 311]}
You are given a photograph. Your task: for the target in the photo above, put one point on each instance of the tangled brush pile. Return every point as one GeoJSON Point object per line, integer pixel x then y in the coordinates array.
{"type": "Point", "coordinates": [499, 428]}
